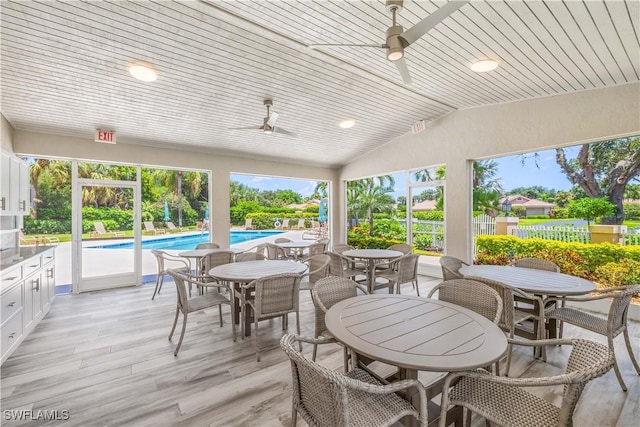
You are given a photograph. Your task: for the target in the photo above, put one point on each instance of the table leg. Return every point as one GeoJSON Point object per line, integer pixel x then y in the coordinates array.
{"type": "Point", "coordinates": [411, 394]}
{"type": "Point", "coordinates": [371, 275]}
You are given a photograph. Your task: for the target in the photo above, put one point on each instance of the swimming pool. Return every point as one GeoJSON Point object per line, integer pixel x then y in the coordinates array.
{"type": "Point", "coordinates": [188, 242]}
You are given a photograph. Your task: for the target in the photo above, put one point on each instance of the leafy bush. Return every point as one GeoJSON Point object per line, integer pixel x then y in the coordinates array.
{"type": "Point", "coordinates": [631, 211]}
{"type": "Point", "coordinates": [46, 226]}
{"type": "Point", "coordinates": [618, 274]}
{"type": "Point", "coordinates": [538, 217]}
{"type": "Point", "coordinates": [519, 211]}
{"type": "Point", "coordinates": [122, 218]}
{"type": "Point", "coordinates": [361, 241]}
{"type": "Point", "coordinates": [578, 259]}
{"type": "Point", "coordinates": [559, 213]}
{"type": "Point", "coordinates": [429, 215]}
{"type": "Point", "coordinates": [265, 220]}
{"type": "Point", "coordinates": [239, 212]}
{"type": "Point", "coordinates": [590, 208]}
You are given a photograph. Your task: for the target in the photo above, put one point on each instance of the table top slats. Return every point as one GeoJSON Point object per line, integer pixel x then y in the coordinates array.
{"type": "Point", "coordinates": [361, 313]}
{"type": "Point", "coordinates": [416, 315]}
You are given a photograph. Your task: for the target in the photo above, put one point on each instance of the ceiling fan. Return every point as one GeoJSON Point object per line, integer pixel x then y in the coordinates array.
{"type": "Point", "coordinates": [269, 122]}
{"type": "Point", "coordinates": [398, 38]}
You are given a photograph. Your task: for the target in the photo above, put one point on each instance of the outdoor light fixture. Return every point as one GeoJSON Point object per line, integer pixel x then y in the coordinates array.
{"type": "Point", "coordinates": [484, 65]}
{"type": "Point", "coordinates": [395, 48]}
{"type": "Point", "coordinates": [143, 73]}
{"type": "Point", "coordinates": [346, 124]}
{"type": "Point", "coordinates": [506, 207]}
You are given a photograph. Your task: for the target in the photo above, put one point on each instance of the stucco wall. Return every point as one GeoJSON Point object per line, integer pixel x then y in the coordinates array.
{"type": "Point", "coordinates": [500, 130]}
{"type": "Point", "coordinates": [37, 144]}
{"type": "Point", "coordinates": [6, 135]}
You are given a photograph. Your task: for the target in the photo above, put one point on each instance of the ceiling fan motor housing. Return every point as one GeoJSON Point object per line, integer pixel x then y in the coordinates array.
{"type": "Point", "coordinates": [395, 43]}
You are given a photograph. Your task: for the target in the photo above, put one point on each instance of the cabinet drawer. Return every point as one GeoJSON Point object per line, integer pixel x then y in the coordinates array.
{"type": "Point", "coordinates": [11, 302]}
{"type": "Point", "coordinates": [48, 257]}
{"type": "Point", "coordinates": [31, 266]}
{"type": "Point", "coordinates": [11, 333]}
{"type": "Point", "coordinates": [11, 277]}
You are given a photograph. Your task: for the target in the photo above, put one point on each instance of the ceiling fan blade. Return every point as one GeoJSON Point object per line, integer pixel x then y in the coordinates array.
{"type": "Point", "coordinates": [422, 27]}
{"type": "Point", "coordinates": [273, 117]}
{"type": "Point", "coordinates": [247, 127]}
{"type": "Point", "coordinates": [315, 46]}
{"type": "Point", "coordinates": [401, 64]}
{"type": "Point", "coordinates": [283, 131]}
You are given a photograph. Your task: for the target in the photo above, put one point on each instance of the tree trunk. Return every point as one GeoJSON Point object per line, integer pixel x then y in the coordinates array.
{"type": "Point", "coordinates": [371, 223]}
{"type": "Point", "coordinates": [616, 196]}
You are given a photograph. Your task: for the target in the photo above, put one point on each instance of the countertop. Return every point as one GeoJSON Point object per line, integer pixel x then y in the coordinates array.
{"type": "Point", "coordinates": [26, 252]}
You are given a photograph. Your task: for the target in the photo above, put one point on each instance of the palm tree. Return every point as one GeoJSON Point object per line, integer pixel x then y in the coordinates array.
{"type": "Point", "coordinates": [370, 195]}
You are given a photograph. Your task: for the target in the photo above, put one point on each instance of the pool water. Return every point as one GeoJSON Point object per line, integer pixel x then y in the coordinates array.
{"type": "Point", "coordinates": [188, 242]}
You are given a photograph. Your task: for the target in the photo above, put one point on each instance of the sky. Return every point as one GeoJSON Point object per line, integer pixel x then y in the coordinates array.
{"type": "Point", "coordinates": [511, 171]}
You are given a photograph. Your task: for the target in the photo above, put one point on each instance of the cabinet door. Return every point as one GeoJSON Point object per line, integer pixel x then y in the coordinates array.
{"type": "Point", "coordinates": [5, 185]}
{"type": "Point", "coordinates": [51, 281]}
{"type": "Point", "coordinates": [36, 288]}
{"type": "Point", "coordinates": [25, 189]}
{"type": "Point", "coordinates": [27, 302]}
{"type": "Point", "coordinates": [14, 181]}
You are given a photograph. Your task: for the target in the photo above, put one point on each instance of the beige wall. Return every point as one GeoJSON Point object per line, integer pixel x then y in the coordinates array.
{"type": "Point", "coordinates": [496, 131]}
{"type": "Point", "coordinates": [37, 144]}
{"type": "Point", "coordinates": [6, 135]}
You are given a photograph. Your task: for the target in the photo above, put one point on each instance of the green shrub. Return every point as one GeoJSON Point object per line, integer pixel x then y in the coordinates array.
{"type": "Point", "coordinates": [46, 226]}
{"type": "Point", "coordinates": [519, 211]}
{"type": "Point", "coordinates": [429, 215]}
{"type": "Point", "coordinates": [538, 217]}
{"type": "Point", "coordinates": [361, 241]}
{"type": "Point", "coordinates": [614, 274]}
{"type": "Point", "coordinates": [578, 259]}
{"type": "Point", "coordinates": [631, 211]}
{"type": "Point", "coordinates": [266, 220]}
{"type": "Point", "coordinates": [559, 213]}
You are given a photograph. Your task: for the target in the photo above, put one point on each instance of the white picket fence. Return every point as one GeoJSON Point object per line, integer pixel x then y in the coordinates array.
{"type": "Point", "coordinates": [560, 233]}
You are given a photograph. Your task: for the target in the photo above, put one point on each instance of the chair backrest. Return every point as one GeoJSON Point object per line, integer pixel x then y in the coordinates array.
{"type": "Point", "coordinates": [207, 246]}
{"type": "Point", "coordinates": [401, 247]}
{"type": "Point", "coordinates": [282, 240]}
{"type": "Point", "coordinates": [318, 267]}
{"type": "Point", "coordinates": [341, 247]}
{"type": "Point", "coordinates": [247, 223]}
{"type": "Point", "coordinates": [285, 223]}
{"type": "Point", "coordinates": [249, 256]}
{"type": "Point", "coordinates": [408, 268]}
{"type": "Point", "coordinates": [301, 223]}
{"type": "Point", "coordinates": [318, 393]}
{"type": "Point", "coordinates": [450, 267]}
{"type": "Point", "coordinates": [199, 225]}
{"type": "Point", "coordinates": [316, 249]}
{"type": "Point", "coordinates": [215, 259]}
{"type": "Point", "coordinates": [160, 256]}
{"type": "Point", "coordinates": [276, 294]}
{"type": "Point", "coordinates": [99, 226]}
{"type": "Point", "coordinates": [181, 288]}
{"type": "Point", "coordinates": [508, 303]}
{"type": "Point", "coordinates": [620, 306]}
{"type": "Point", "coordinates": [273, 251]}
{"type": "Point", "coordinates": [537, 263]}
{"type": "Point", "coordinates": [337, 264]}
{"type": "Point", "coordinates": [329, 291]}
{"type": "Point", "coordinates": [148, 226]}
{"type": "Point", "coordinates": [476, 296]}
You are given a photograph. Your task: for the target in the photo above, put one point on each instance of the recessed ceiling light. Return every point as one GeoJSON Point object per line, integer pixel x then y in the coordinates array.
{"type": "Point", "coordinates": [142, 72]}
{"type": "Point", "coordinates": [484, 65]}
{"type": "Point", "coordinates": [346, 124]}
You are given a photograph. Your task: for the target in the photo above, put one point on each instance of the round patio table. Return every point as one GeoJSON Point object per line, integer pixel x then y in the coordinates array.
{"type": "Point", "coordinates": [245, 272]}
{"type": "Point", "coordinates": [415, 334]}
{"type": "Point", "coordinates": [198, 254]}
{"type": "Point", "coordinates": [371, 256]}
{"type": "Point", "coordinates": [298, 247]}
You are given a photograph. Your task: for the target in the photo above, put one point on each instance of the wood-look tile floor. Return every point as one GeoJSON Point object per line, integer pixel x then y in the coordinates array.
{"type": "Point", "coordinates": [105, 358]}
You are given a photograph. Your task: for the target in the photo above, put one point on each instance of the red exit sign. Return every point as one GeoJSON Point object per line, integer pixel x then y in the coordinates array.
{"type": "Point", "coordinates": [106, 136]}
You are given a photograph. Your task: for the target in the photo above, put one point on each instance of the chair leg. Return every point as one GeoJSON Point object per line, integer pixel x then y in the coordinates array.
{"type": "Point", "coordinates": [294, 417]}
{"type": "Point", "coordinates": [242, 321]}
{"type": "Point", "coordinates": [233, 323]}
{"type": "Point", "coordinates": [615, 365]}
{"type": "Point", "coordinates": [184, 327]}
{"type": "Point", "coordinates": [220, 313]}
{"type": "Point", "coordinates": [630, 350]}
{"type": "Point", "coordinates": [345, 356]}
{"type": "Point", "coordinates": [257, 340]}
{"type": "Point", "coordinates": [175, 322]}
{"type": "Point", "coordinates": [415, 284]}
{"type": "Point", "coordinates": [159, 281]}
{"type": "Point", "coordinates": [315, 352]}
{"type": "Point", "coordinates": [298, 328]}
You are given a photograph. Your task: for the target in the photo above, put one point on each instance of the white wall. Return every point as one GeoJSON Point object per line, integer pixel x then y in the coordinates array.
{"type": "Point", "coordinates": [500, 130]}
{"type": "Point", "coordinates": [6, 135]}
{"type": "Point", "coordinates": [37, 144]}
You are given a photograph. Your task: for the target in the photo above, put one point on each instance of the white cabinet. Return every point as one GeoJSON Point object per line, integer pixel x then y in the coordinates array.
{"type": "Point", "coordinates": [16, 186]}
{"type": "Point", "coordinates": [28, 289]}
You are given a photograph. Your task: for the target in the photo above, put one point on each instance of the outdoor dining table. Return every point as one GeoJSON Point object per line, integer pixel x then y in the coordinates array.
{"type": "Point", "coordinates": [415, 334]}
{"type": "Point", "coordinates": [198, 254]}
{"type": "Point", "coordinates": [296, 247]}
{"type": "Point", "coordinates": [244, 272]}
{"type": "Point", "coordinates": [538, 282]}
{"type": "Point", "coordinates": [372, 256]}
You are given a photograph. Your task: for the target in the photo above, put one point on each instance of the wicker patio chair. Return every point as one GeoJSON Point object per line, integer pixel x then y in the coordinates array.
{"type": "Point", "coordinates": [511, 316]}
{"type": "Point", "coordinates": [450, 266]}
{"type": "Point", "coordinates": [215, 259]}
{"type": "Point", "coordinates": [207, 246]}
{"type": "Point", "coordinates": [341, 247]}
{"type": "Point", "coordinates": [274, 251]}
{"type": "Point", "coordinates": [611, 327]}
{"type": "Point", "coordinates": [471, 294]}
{"type": "Point", "coordinates": [402, 270]}
{"type": "Point", "coordinates": [325, 398]}
{"type": "Point", "coordinates": [273, 296]}
{"type": "Point", "coordinates": [285, 253]}
{"type": "Point", "coordinates": [186, 305]}
{"type": "Point", "coordinates": [537, 263]}
{"type": "Point", "coordinates": [502, 400]}
{"type": "Point", "coordinates": [315, 249]}
{"type": "Point", "coordinates": [405, 248]}
{"type": "Point", "coordinates": [318, 268]}
{"type": "Point", "coordinates": [163, 259]}
{"type": "Point", "coordinates": [249, 256]}
{"type": "Point", "coordinates": [327, 292]}
{"type": "Point", "coordinates": [342, 266]}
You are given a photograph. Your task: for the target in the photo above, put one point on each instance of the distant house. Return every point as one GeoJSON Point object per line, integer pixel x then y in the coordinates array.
{"type": "Point", "coordinates": [532, 206]}
{"type": "Point", "coordinates": [425, 205]}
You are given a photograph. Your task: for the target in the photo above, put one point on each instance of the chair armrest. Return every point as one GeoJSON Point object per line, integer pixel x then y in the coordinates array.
{"type": "Point", "coordinates": [601, 294]}
{"type": "Point", "coordinates": [200, 280]}
{"type": "Point", "coordinates": [568, 378]}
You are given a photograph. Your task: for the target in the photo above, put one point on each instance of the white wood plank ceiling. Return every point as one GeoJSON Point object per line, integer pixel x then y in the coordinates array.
{"type": "Point", "coordinates": [64, 68]}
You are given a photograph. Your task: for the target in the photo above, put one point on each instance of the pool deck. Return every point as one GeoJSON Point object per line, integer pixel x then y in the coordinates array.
{"type": "Point", "coordinates": [101, 261]}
